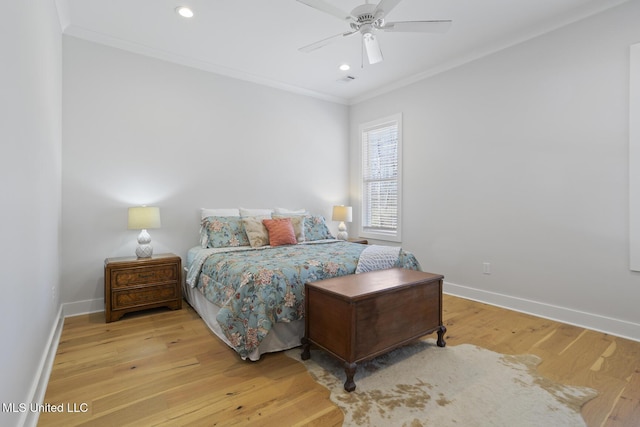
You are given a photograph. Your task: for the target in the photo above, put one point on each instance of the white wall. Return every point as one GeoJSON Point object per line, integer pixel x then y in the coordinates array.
{"type": "Point", "coordinates": [139, 130]}
{"type": "Point", "coordinates": [30, 139]}
{"type": "Point", "coordinates": [520, 159]}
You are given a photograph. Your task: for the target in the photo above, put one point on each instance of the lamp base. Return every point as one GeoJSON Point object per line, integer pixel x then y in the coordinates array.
{"type": "Point", "coordinates": [144, 249]}
{"type": "Point", "coordinates": [342, 231]}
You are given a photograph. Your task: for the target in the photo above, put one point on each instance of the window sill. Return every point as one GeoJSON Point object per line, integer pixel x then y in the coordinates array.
{"type": "Point", "coordinates": [381, 236]}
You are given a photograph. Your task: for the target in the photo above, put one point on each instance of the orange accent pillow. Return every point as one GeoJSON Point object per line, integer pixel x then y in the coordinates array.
{"type": "Point", "coordinates": [280, 231]}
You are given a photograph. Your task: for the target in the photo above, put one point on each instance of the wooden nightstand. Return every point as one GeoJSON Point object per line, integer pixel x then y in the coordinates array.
{"type": "Point", "coordinates": [358, 240]}
{"type": "Point", "coordinates": [132, 284]}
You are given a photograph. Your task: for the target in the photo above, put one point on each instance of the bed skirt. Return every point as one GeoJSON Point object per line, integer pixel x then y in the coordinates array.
{"type": "Point", "coordinates": [282, 336]}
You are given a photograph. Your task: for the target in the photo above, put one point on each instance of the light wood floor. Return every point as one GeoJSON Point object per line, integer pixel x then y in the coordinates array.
{"type": "Point", "coordinates": [165, 367]}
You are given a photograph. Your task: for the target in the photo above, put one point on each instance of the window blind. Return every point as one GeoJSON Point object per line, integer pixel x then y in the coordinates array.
{"type": "Point", "coordinates": [380, 178]}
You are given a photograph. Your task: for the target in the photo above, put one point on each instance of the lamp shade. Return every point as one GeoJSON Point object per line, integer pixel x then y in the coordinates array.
{"type": "Point", "coordinates": [341, 213]}
{"type": "Point", "coordinates": [144, 217]}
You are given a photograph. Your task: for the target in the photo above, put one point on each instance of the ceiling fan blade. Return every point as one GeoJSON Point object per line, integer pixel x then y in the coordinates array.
{"type": "Point", "coordinates": [317, 45]}
{"type": "Point", "coordinates": [371, 45]}
{"type": "Point", "coordinates": [325, 7]}
{"type": "Point", "coordinates": [386, 6]}
{"type": "Point", "coordinates": [417, 26]}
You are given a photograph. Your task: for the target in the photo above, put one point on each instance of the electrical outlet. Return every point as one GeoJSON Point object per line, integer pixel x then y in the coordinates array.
{"type": "Point", "coordinates": [486, 268]}
{"type": "Point", "coordinates": [53, 294]}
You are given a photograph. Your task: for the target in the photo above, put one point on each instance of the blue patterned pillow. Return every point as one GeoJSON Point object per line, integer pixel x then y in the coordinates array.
{"type": "Point", "coordinates": [222, 232]}
{"type": "Point", "coordinates": [315, 228]}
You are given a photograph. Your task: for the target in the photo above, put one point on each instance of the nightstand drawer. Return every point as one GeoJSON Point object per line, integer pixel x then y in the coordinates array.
{"type": "Point", "coordinates": [143, 296]}
{"type": "Point", "coordinates": [133, 284]}
{"type": "Point", "coordinates": [133, 276]}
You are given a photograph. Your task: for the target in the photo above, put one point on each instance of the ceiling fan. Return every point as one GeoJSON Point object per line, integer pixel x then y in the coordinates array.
{"type": "Point", "coordinates": [367, 19]}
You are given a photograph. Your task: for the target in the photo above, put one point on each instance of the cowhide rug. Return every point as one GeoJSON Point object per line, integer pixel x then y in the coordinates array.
{"type": "Point", "coordinates": [424, 385]}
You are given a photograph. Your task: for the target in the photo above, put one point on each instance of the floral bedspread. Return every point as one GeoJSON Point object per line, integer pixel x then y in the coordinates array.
{"type": "Point", "coordinates": [257, 288]}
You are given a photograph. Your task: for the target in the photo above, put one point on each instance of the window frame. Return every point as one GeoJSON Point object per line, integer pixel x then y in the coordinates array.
{"type": "Point", "coordinates": [395, 236]}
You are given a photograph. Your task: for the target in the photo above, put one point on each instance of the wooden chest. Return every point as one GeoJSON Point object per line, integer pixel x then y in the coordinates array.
{"type": "Point", "coordinates": [132, 284]}
{"type": "Point", "coordinates": [361, 316]}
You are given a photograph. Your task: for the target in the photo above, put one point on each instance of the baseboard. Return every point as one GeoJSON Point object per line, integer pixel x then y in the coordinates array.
{"type": "Point", "coordinates": [39, 386]}
{"type": "Point", "coordinates": [83, 307]}
{"type": "Point", "coordinates": [608, 325]}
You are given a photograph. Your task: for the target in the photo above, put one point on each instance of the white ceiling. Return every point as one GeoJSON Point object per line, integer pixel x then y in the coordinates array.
{"type": "Point", "coordinates": [258, 40]}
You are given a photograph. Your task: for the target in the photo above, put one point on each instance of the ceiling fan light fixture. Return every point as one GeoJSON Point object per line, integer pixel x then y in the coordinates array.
{"type": "Point", "coordinates": [345, 67]}
{"type": "Point", "coordinates": [366, 30]}
{"type": "Point", "coordinates": [184, 11]}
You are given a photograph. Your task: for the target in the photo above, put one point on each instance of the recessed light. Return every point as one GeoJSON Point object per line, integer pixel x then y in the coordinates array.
{"type": "Point", "coordinates": [345, 67]}
{"type": "Point", "coordinates": [184, 11]}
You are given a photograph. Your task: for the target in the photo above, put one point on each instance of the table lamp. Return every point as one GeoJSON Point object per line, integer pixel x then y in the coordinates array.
{"type": "Point", "coordinates": [343, 214]}
{"type": "Point", "coordinates": [142, 218]}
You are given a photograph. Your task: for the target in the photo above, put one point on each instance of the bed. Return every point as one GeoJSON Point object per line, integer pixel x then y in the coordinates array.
{"type": "Point", "coordinates": [248, 286]}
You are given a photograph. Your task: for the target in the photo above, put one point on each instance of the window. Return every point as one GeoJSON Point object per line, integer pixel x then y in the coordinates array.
{"type": "Point", "coordinates": [381, 178]}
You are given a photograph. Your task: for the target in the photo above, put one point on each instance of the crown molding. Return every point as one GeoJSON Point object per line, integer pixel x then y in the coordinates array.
{"type": "Point", "coordinates": [96, 37]}
{"type": "Point", "coordinates": [488, 50]}
{"type": "Point", "coordinates": [64, 17]}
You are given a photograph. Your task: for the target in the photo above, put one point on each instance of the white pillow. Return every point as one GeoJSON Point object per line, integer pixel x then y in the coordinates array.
{"type": "Point", "coordinates": [255, 212]}
{"type": "Point", "coordinates": [283, 211]}
{"type": "Point", "coordinates": [204, 212]}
